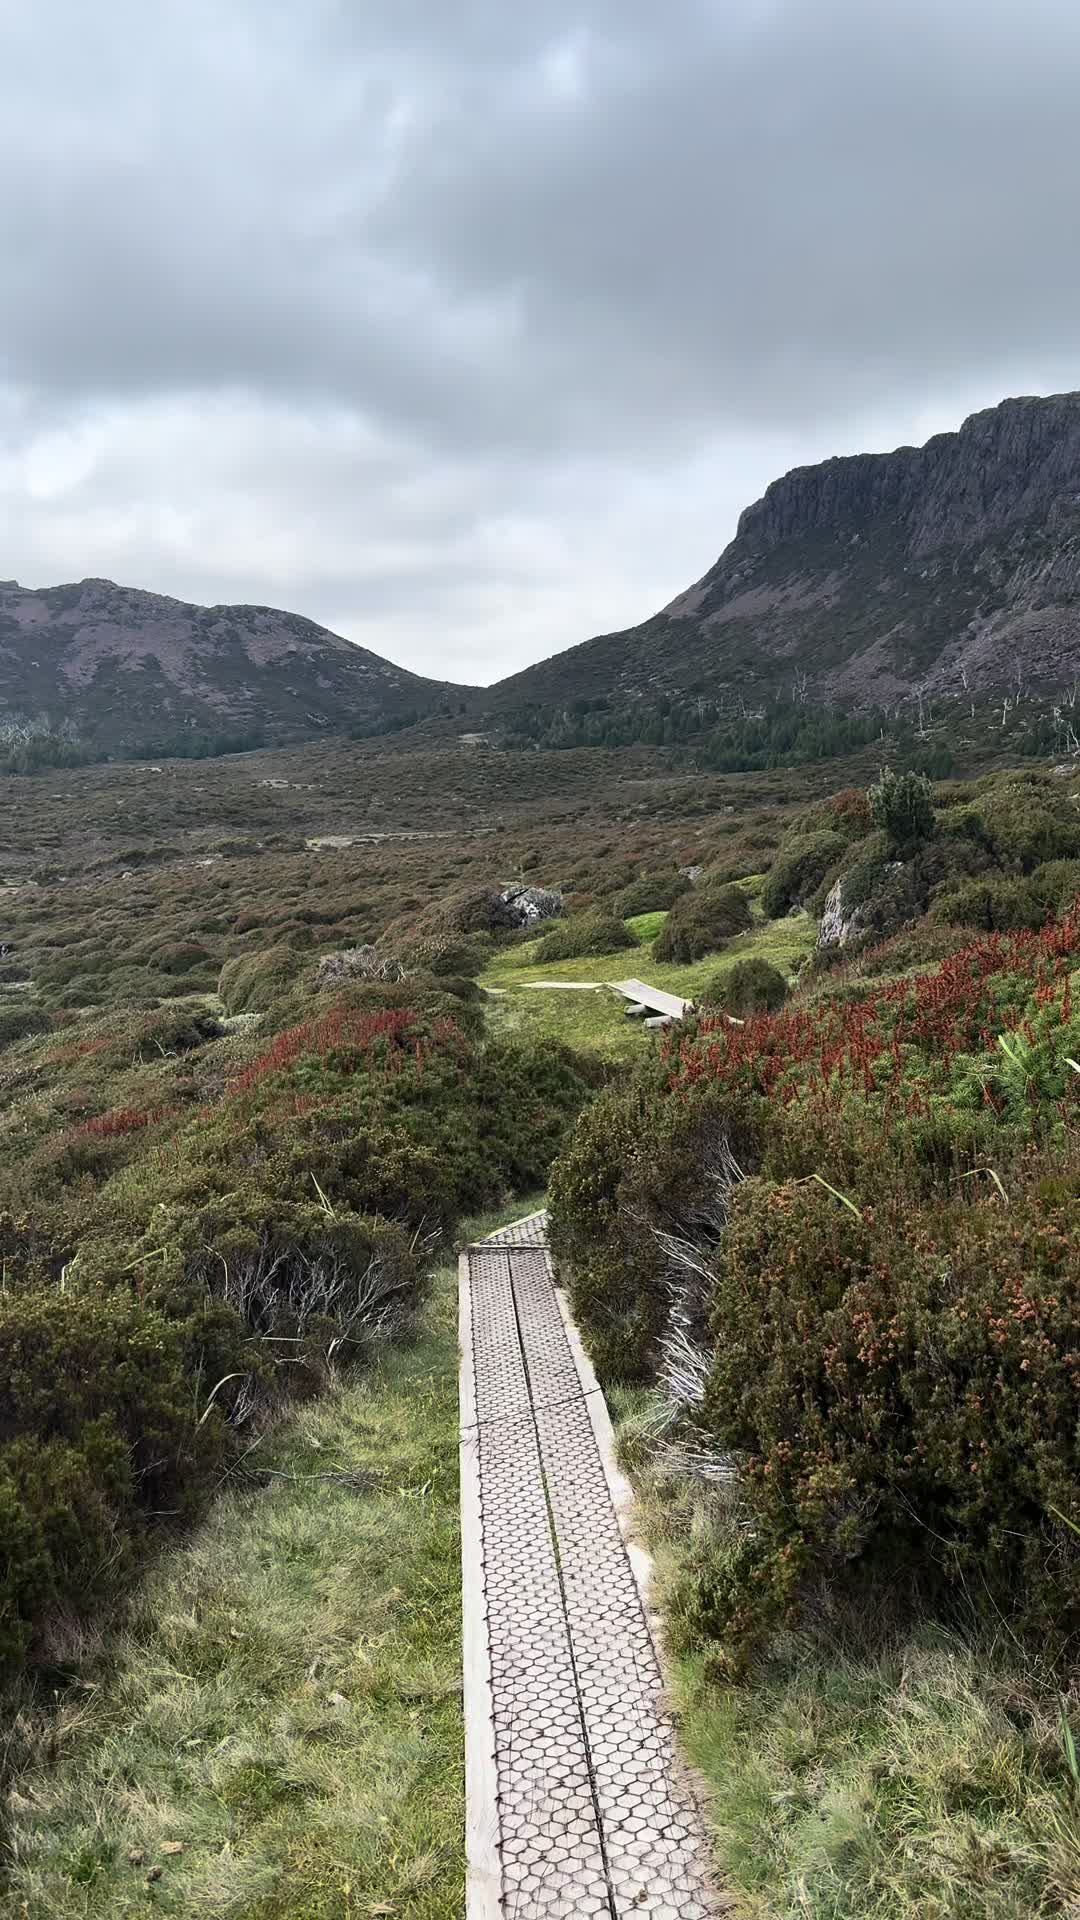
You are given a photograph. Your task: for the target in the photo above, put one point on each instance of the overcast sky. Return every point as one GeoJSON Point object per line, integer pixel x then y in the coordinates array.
{"type": "Point", "coordinates": [468, 327]}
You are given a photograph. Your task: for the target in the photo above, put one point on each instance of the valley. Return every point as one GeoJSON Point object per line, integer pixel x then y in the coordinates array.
{"type": "Point", "coordinates": [268, 1040]}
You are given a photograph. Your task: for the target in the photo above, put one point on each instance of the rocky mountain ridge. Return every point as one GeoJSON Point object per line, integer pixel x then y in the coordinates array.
{"type": "Point", "coordinates": [954, 566]}
{"type": "Point", "coordinates": [859, 582]}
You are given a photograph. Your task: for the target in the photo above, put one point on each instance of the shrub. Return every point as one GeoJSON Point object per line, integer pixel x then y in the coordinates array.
{"type": "Point", "coordinates": [850, 810]}
{"type": "Point", "coordinates": [902, 808]}
{"type": "Point", "coordinates": [750, 986]}
{"type": "Point", "coordinates": [799, 869]}
{"type": "Point", "coordinates": [323, 1279]}
{"type": "Point", "coordinates": [1056, 883]}
{"type": "Point", "coordinates": [846, 813]}
{"type": "Point", "coordinates": [17, 1023]}
{"type": "Point", "coordinates": [97, 1438]}
{"type": "Point", "coordinates": [613, 1271]}
{"type": "Point", "coordinates": [592, 933]}
{"type": "Point", "coordinates": [480, 910]}
{"type": "Point", "coordinates": [1030, 821]}
{"type": "Point", "coordinates": [701, 921]}
{"type": "Point", "coordinates": [923, 945]}
{"type": "Point", "coordinates": [251, 982]}
{"type": "Point", "coordinates": [993, 906]}
{"type": "Point", "coordinates": [631, 1165]}
{"type": "Point", "coordinates": [357, 963]}
{"type": "Point", "coordinates": [465, 958]}
{"type": "Point", "coordinates": [651, 893]}
{"type": "Point", "coordinates": [900, 1391]}
{"type": "Point", "coordinates": [179, 956]}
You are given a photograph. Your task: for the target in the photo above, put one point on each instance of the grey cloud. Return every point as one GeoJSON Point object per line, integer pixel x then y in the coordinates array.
{"type": "Point", "coordinates": [480, 290]}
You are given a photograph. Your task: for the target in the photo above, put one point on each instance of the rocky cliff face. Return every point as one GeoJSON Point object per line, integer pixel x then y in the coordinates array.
{"type": "Point", "coordinates": [950, 566]}
{"type": "Point", "coordinates": [128, 670]}
{"type": "Point", "coordinates": [1013, 464]}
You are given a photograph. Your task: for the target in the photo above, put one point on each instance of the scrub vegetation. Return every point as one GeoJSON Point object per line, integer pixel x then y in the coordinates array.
{"type": "Point", "coordinates": [269, 1033]}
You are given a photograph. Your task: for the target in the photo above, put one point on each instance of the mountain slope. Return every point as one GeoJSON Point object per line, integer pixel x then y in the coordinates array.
{"type": "Point", "coordinates": [950, 566]}
{"type": "Point", "coordinates": [129, 670]}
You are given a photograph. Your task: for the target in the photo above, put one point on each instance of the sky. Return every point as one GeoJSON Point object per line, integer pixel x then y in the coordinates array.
{"type": "Point", "coordinates": [466, 328]}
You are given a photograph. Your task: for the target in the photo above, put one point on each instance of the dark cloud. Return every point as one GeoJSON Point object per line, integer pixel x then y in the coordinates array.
{"type": "Point", "coordinates": [487, 318]}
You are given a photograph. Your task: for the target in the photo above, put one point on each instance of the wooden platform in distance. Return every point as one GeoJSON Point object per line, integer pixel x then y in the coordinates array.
{"type": "Point", "coordinates": [640, 994]}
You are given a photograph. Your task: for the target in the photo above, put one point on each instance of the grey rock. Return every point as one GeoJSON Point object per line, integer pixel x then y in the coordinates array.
{"type": "Point", "coordinates": [839, 924]}
{"type": "Point", "coordinates": [526, 905]}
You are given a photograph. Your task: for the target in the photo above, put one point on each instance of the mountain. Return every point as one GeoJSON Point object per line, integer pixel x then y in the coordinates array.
{"type": "Point", "coordinates": [954, 566]}
{"type": "Point", "coordinates": [130, 671]}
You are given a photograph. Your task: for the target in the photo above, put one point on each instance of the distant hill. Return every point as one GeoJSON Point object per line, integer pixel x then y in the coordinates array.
{"type": "Point", "coordinates": [952, 566]}
{"type": "Point", "coordinates": [127, 671]}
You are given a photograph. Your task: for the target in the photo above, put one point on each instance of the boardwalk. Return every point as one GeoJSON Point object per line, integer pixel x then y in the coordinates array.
{"type": "Point", "coordinates": [575, 1801]}
{"type": "Point", "coordinates": [639, 993]}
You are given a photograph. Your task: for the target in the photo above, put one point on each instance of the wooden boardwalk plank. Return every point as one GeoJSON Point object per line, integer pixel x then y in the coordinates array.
{"type": "Point", "coordinates": [642, 995]}
{"type": "Point", "coordinates": [577, 1803]}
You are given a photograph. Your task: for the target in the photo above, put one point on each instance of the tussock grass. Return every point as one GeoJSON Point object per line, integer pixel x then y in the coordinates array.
{"type": "Point", "coordinates": [866, 1770]}
{"type": "Point", "coordinates": [276, 1726]}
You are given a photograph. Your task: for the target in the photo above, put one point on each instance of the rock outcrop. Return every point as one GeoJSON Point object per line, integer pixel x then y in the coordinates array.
{"type": "Point", "coordinates": [527, 905]}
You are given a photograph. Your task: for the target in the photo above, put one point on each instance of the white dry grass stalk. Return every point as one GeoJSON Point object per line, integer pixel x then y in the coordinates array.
{"type": "Point", "coordinates": [683, 1449]}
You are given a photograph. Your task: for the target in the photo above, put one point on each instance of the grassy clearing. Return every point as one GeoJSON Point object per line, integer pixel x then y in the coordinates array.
{"type": "Point", "coordinates": [275, 1733]}
{"type": "Point", "coordinates": [864, 1772]}
{"type": "Point", "coordinates": [598, 1020]}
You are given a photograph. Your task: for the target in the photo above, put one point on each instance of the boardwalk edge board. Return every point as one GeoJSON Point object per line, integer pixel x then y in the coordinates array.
{"type": "Point", "coordinates": [483, 1896]}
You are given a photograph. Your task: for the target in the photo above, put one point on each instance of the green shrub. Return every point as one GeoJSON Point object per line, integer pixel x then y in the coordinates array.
{"type": "Point", "coordinates": [97, 1439]}
{"type": "Point", "coordinates": [1056, 883]}
{"type": "Point", "coordinates": [799, 869]}
{"type": "Point", "coordinates": [632, 1164]}
{"type": "Point", "coordinates": [923, 945]}
{"type": "Point", "coordinates": [750, 986]}
{"type": "Point", "coordinates": [1030, 821]}
{"type": "Point", "coordinates": [178, 957]}
{"type": "Point", "coordinates": [900, 1390]}
{"type": "Point", "coordinates": [592, 933]}
{"type": "Point", "coordinates": [461, 957]}
{"type": "Point", "coordinates": [902, 808]}
{"type": "Point", "coordinates": [702, 921]}
{"type": "Point", "coordinates": [17, 1023]}
{"type": "Point", "coordinates": [614, 1271]}
{"type": "Point", "coordinates": [963, 821]}
{"type": "Point", "coordinates": [651, 893]}
{"type": "Point", "coordinates": [997, 905]}
{"type": "Point", "coordinates": [251, 982]}
{"type": "Point", "coordinates": [320, 1278]}
{"type": "Point", "coordinates": [478, 910]}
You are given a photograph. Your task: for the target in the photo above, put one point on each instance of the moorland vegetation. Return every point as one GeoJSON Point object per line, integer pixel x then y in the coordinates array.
{"type": "Point", "coordinates": [819, 1237]}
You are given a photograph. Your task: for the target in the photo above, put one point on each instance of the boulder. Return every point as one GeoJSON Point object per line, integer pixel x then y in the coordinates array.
{"type": "Point", "coordinates": [527, 905]}
{"type": "Point", "coordinates": [840, 924]}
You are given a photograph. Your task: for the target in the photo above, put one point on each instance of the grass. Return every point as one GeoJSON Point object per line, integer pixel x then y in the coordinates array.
{"type": "Point", "coordinates": [598, 1020]}
{"type": "Point", "coordinates": [864, 1770]}
{"type": "Point", "coordinates": [275, 1731]}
